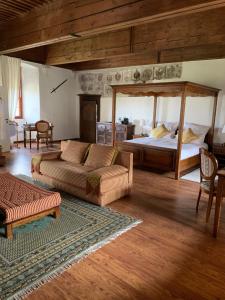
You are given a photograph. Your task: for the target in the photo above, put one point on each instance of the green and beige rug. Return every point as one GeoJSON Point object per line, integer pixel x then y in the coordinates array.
{"type": "Point", "coordinates": [43, 249]}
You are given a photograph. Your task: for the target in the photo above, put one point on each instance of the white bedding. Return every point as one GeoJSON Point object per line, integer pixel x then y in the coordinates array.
{"type": "Point", "coordinates": [188, 150]}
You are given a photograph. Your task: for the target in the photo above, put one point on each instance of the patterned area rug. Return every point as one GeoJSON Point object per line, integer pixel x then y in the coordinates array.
{"type": "Point", "coordinates": [43, 249]}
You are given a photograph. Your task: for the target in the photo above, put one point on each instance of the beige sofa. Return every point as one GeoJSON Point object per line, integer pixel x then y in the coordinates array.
{"type": "Point", "coordinates": [99, 174]}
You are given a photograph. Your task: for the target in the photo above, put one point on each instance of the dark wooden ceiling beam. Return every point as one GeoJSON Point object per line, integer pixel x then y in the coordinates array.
{"type": "Point", "coordinates": [97, 47]}
{"type": "Point", "coordinates": [92, 18]}
{"type": "Point", "coordinates": [203, 29]}
{"type": "Point", "coordinates": [131, 59]}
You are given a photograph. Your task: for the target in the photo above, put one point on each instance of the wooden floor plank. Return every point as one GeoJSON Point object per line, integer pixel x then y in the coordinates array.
{"type": "Point", "coordinates": [171, 255]}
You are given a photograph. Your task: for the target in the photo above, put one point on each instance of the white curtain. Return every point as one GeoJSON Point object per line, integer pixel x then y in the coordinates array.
{"type": "Point", "coordinates": [11, 81]}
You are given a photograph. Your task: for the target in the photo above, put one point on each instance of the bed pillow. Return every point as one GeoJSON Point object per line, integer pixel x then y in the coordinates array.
{"type": "Point", "coordinates": [189, 136]}
{"type": "Point", "coordinates": [200, 130]}
{"type": "Point", "coordinates": [100, 156]}
{"type": "Point", "coordinates": [159, 132]}
{"type": "Point", "coordinates": [171, 126]}
{"type": "Point", "coordinates": [74, 151]}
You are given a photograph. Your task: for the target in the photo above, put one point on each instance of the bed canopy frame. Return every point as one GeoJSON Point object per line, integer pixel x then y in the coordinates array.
{"type": "Point", "coordinates": [181, 89]}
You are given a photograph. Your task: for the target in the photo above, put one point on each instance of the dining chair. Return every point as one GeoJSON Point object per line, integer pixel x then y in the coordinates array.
{"type": "Point", "coordinates": [43, 132]}
{"type": "Point", "coordinates": [208, 182]}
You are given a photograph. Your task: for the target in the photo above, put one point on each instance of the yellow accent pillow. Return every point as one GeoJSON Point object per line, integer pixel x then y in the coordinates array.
{"type": "Point", "coordinates": [189, 136]}
{"type": "Point", "coordinates": [159, 131]}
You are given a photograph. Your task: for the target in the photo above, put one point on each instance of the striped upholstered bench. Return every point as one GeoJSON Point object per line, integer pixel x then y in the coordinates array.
{"type": "Point", "coordinates": [22, 202]}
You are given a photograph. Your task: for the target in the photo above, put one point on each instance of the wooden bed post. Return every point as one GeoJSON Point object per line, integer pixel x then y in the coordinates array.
{"type": "Point", "coordinates": [210, 142]}
{"type": "Point", "coordinates": [180, 133]}
{"type": "Point", "coordinates": [154, 111]}
{"type": "Point", "coordinates": [114, 117]}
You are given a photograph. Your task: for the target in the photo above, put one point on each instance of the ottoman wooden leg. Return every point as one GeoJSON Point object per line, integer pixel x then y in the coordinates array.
{"type": "Point", "coordinates": [9, 231]}
{"type": "Point", "coordinates": [56, 213]}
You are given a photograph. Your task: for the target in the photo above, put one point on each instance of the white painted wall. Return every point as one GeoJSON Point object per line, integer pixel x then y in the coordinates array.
{"type": "Point", "coordinates": [59, 107]}
{"type": "Point", "coordinates": [198, 110]}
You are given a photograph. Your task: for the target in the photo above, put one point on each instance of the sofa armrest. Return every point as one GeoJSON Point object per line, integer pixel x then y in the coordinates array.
{"type": "Point", "coordinates": [38, 158]}
{"type": "Point", "coordinates": [95, 177]}
{"type": "Point", "coordinates": [126, 159]}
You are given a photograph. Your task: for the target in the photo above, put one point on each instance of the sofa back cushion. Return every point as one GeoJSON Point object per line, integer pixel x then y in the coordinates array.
{"type": "Point", "coordinates": [74, 152]}
{"type": "Point", "coordinates": [100, 156]}
{"type": "Point", "coordinates": [64, 145]}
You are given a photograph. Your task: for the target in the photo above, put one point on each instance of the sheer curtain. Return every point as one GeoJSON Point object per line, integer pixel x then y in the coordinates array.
{"type": "Point", "coordinates": [11, 81]}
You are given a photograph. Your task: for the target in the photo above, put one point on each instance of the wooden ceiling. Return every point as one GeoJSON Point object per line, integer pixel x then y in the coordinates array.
{"type": "Point", "coordinates": [93, 34]}
{"type": "Point", "coordinates": [11, 9]}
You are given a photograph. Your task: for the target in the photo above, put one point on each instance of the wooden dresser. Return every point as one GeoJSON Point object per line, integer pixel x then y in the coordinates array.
{"type": "Point", "coordinates": [104, 132]}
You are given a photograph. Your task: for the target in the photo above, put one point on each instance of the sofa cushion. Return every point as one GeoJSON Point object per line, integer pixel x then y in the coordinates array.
{"type": "Point", "coordinates": [66, 172]}
{"type": "Point", "coordinates": [106, 178]}
{"type": "Point", "coordinates": [74, 151]}
{"type": "Point", "coordinates": [100, 156]}
{"type": "Point", "coordinates": [63, 145]}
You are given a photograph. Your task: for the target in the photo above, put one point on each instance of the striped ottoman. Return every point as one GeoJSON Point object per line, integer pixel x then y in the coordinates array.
{"type": "Point", "coordinates": [22, 202]}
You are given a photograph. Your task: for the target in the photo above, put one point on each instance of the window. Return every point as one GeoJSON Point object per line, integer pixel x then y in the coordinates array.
{"type": "Point", "coordinates": [19, 109]}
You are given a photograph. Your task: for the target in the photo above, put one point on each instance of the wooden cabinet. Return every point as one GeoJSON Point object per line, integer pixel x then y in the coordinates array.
{"type": "Point", "coordinates": [104, 132]}
{"type": "Point", "coordinates": [89, 115]}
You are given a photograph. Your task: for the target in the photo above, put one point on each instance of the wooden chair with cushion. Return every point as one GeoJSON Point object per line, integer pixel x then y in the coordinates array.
{"type": "Point", "coordinates": [208, 184]}
{"type": "Point", "coordinates": [43, 132]}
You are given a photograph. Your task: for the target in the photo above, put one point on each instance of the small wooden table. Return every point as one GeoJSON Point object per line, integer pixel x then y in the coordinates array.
{"type": "Point", "coordinates": [219, 197]}
{"type": "Point", "coordinates": [31, 128]}
{"type": "Point", "coordinates": [24, 202]}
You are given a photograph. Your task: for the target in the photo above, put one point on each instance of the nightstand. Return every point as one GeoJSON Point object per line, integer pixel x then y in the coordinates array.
{"type": "Point", "coordinates": [219, 152]}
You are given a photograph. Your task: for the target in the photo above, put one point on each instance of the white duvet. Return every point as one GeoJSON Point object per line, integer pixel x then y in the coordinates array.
{"type": "Point", "coordinates": [188, 150]}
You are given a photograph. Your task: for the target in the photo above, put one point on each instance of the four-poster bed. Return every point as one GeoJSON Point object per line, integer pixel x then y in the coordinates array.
{"type": "Point", "coordinates": [159, 157]}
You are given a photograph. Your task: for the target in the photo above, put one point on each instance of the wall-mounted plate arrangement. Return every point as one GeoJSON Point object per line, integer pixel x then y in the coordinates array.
{"type": "Point", "coordinates": [99, 83]}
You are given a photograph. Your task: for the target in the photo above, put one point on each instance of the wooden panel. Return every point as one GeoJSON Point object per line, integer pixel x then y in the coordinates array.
{"type": "Point", "coordinates": [191, 39]}
{"type": "Point", "coordinates": [160, 159]}
{"type": "Point", "coordinates": [35, 54]}
{"type": "Point", "coordinates": [189, 163]}
{"type": "Point", "coordinates": [137, 152]}
{"type": "Point", "coordinates": [101, 46]}
{"type": "Point", "coordinates": [193, 53]}
{"type": "Point", "coordinates": [193, 30]}
{"type": "Point", "coordinates": [132, 59]}
{"type": "Point", "coordinates": [56, 24]}
{"type": "Point", "coordinates": [11, 9]}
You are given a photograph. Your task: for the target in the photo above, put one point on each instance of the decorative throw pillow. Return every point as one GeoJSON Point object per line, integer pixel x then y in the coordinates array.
{"type": "Point", "coordinates": [100, 156]}
{"type": "Point", "coordinates": [75, 152]}
{"type": "Point", "coordinates": [200, 130]}
{"type": "Point", "coordinates": [189, 136]}
{"type": "Point", "coordinates": [159, 131]}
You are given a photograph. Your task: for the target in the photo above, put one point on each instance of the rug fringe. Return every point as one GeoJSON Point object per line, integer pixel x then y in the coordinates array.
{"type": "Point", "coordinates": [28, 290]}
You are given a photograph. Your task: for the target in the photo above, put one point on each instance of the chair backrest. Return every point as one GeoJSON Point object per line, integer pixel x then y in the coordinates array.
{"type": "Point", "coordinates": [42, 126]}
{"type": "Point", "coordinates": [209, 165]}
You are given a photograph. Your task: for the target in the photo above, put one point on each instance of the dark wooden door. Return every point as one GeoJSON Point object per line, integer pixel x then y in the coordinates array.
{"type": "Point", "coordinates": [89, 115]}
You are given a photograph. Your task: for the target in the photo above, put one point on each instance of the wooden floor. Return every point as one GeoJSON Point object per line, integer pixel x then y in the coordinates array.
{"type": "Point", "coordinates": [171, 255]}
